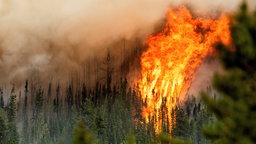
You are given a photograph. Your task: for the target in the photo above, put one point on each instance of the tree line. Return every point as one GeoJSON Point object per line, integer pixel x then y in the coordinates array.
{"type": "Point", "coordinates": [111, 113]}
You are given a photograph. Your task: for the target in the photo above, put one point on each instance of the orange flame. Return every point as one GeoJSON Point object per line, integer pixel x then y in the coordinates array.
{"type": "Point", "coordinates": [171, 60]}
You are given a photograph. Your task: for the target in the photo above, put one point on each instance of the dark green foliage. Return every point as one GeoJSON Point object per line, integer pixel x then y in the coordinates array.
{"type": "Point", "coordinates": [12, 107]}
{"type": "Point", "coordinates": [110, 121]}
{"type": "Point", "coordinates": [164, 138]}
{"type": "Point", "coordinates": [188, 122]}
{"type": "Point", "coordinates": [131, 138]}
{"type": "Point", "coordinates": [203, 117]}
{"type": "Point", "coordinates": [181, 127]}
{"type": "Point", "coordinates": [178, 141]}
{"type": "Point", "coordinates": [39, 101]}
{"type": "Point", "coordinates": [243, 32]}
{"type": "Point", "coordinates": [8, 129]}
{"type": "Point", "coordinates": [13, 136]}
{"type": "Point", "coordinates": [3, 126]}
{"type": "Point", "coordinates": [82, 135]}
{"type": "Point", "coordinates": [235, 109]}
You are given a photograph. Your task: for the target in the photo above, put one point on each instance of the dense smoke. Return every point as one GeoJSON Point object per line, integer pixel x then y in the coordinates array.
{"type": "Point", "coordinates": [54, 38]}
{"type": "Point", "coordinates": [203, 78]}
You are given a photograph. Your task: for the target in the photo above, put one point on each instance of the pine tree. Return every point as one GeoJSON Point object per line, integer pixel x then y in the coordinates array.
{"type": "Point", "coordinates": [3, 126]}
{"type": "Point", "coordinates": [26, 98]}
{"type": "Point", "coordinates": [235, 109]}
{"type": "Point", "coordinates": [131, 138]}
{"type": "Point", "coordinates": [11, 107]}
{"type": "Point", "coordinates": [84, 93]}
{"type": "Point", "coordinates": [69, 99]}
{"type": "Point", "coordinates": [13, 136]}
{"type": "Point", "coordinates": [25, 129]}
{"type": "Point", "coordinates": [49, 93]}
{"type": "Point", "coordinates": [56, 101]}
{"type": "Point", "coordinates": [82, 135]}
{"type": "Point", "coordinates": [39, 101]}
{"type": "Point", "coordinates": [1, 99]}
{"type": "Point", "coordinates": [181, 127]}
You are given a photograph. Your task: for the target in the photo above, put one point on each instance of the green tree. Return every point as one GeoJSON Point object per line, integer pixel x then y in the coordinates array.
{"type": "Point", "coordinates": [181, 127]}
{"type": "Point", "coordinates": [3, 126]}
{"type": "Point", "coordinates": [82, 135]}
{"type": "Point", "coordinates": [13, 136]}
{"type": "Point", "coordinates": [25, 129]}
{"type": "Point", "coordinates": [235, 109]}
{"type": "Point", "coordinates": [131, 138]}
{"type": "Point", "coordinates": [12, 107]}
{"type": "Point", "coordinates": [39, 101]}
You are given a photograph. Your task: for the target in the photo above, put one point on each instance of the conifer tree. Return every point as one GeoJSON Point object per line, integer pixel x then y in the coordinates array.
{"type": "Point", "coordinates": [26, 97]}
{"type": "Point", "coordinates": [11, 107]}
{"type": "Point", "coordinates": [235, 109]}
{"type": "Point", "coordinates": [1, 99]}
{"type": "Point", "coordinates": [25, 129]}
{"type": "Point", "coordinates": [82, 135]}
{"type": "Point", "coordinates": [131, 138]}
{"type": "Point", "coordinates": [84, 93]}
{"type": "Point", "coordinates": [39, 101]}
{"type": "Point", "coordinates": [13, 136]}
{"type": "Point", "coordinates": [3, 126]}
{"type": "Point", "coordinates": [181, 127]}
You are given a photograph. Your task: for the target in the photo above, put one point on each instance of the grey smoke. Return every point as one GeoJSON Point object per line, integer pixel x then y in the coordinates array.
{"type": "Point", "coordinates": [56, 37]}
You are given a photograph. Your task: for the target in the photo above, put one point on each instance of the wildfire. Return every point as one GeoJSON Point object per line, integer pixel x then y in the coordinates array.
{"type": "Point", "coordinates": [171, 60]}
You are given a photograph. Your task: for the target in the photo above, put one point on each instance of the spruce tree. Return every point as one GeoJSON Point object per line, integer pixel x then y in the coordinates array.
{"type": "Point", "coordinates": [82, 135]}
{"type": "Point", "coordinates": [3, 126]}
{"type": "Point", "coordinates": [1, 99]}
{"type": "Point", "coordinates": [13, 136]}
{"type": "Point", "coordinates": [235, 109]}
{"type": "Point", "coordinates": [25, 129]}
{"type": "Point", "coordinates": [181, 127]}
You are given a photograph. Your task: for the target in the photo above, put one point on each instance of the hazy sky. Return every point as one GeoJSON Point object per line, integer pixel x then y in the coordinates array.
{"type": "Point", "coordinates": [56, 36]}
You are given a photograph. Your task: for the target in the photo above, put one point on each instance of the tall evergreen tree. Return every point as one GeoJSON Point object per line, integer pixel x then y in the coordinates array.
{"type": "Point", "coordinates": [26, 97]}
{"type": "Point", "coordinates": [12, 107]}
{"type": "Point", "coordinates": [235, 109]}
{"type": "Point", "coordinates": [84, 93]}
{"type": "Point", "coordinates": [3, 126]}
{"type": "Point", "coordinates": [49, 92]}
{"type": "Point", "coordinates": [39, 101]}
{"type": "Point", "coordinates": [82, 135]}
{"type": "Point", "coordinates": [13, 136]}
{"type": "Point", "coordinates": [25, 129]}
{"type": "Point", "coordinates": [1, 99]}
{"type": "Point", "coordinates": [181, 127]}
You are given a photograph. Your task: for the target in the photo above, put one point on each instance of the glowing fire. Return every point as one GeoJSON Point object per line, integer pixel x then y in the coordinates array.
{"type": "Point", "coordinates": [171, 60]}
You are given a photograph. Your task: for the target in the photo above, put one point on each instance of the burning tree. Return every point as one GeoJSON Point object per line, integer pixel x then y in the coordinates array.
{"type": "Point", "coordinates": [171, 60]}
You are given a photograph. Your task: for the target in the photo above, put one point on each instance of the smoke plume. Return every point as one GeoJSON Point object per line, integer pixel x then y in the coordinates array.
{"type": "Point", "coordinates": [57, 36]}
{"type": "Point", "coordinates": [53, 38]}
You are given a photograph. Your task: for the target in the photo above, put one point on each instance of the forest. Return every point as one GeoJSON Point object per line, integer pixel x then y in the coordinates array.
{"type": "Point", "coordinates": [108, 112]}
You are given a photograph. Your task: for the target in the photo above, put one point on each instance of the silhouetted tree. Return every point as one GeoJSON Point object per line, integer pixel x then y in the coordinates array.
{"type": "Point", "coordinates": [1, 99]}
